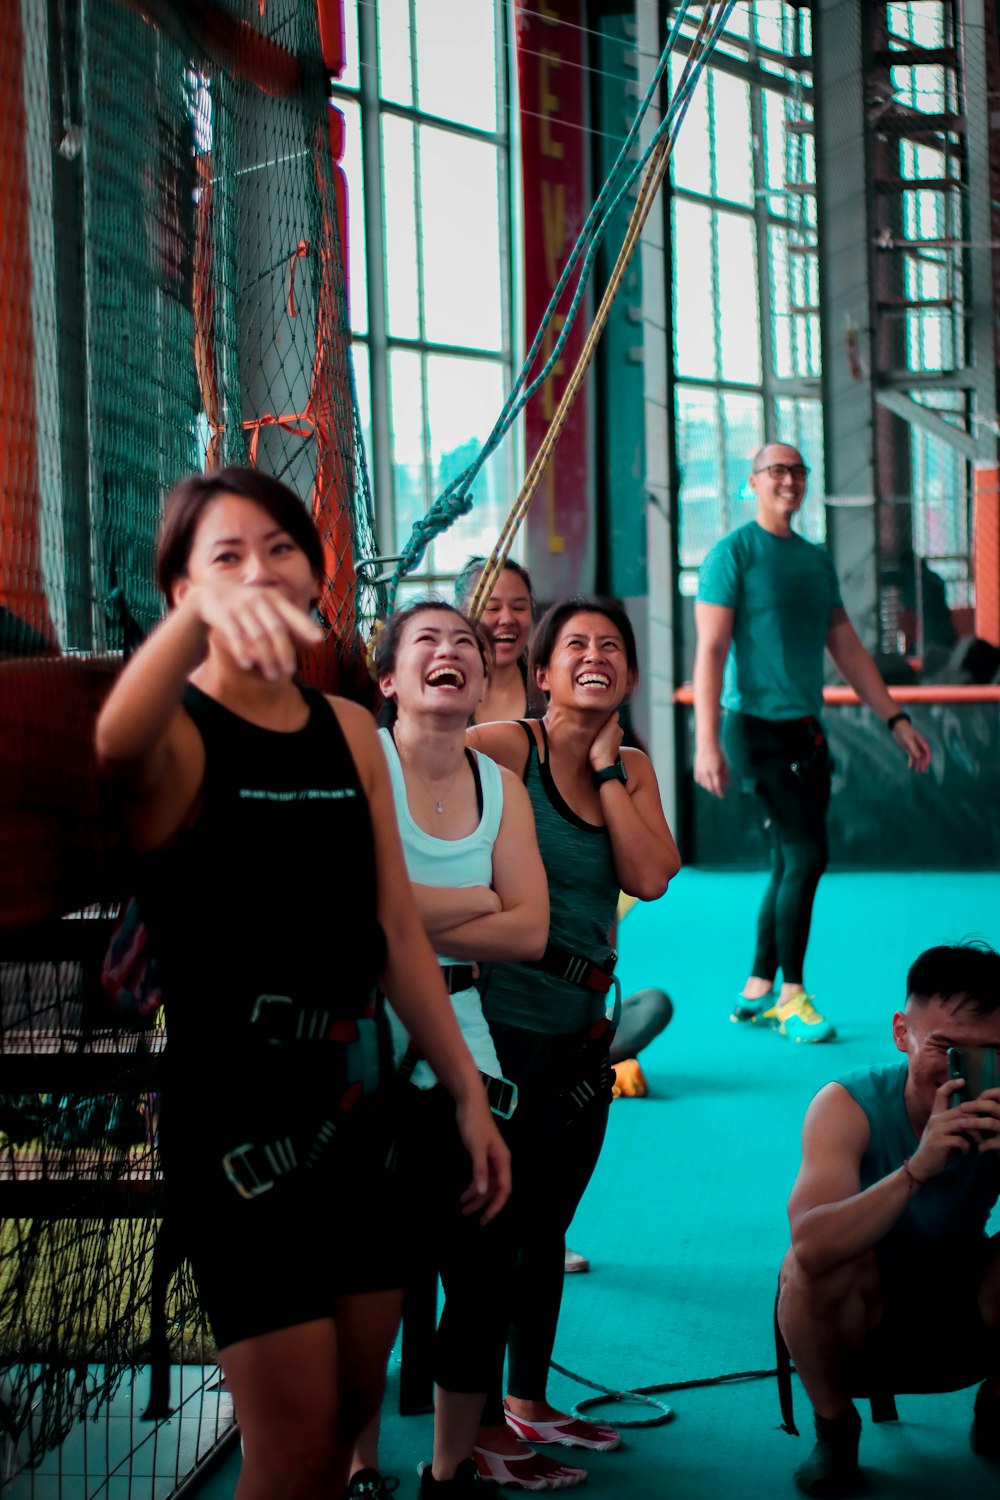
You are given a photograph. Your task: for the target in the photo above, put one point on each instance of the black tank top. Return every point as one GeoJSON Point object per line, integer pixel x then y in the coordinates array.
{"type": "Point", "coordinates": [271, 889]}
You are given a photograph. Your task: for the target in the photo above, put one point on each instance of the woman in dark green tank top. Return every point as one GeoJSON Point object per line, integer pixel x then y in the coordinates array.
{"type": "Point", "coordinates": [600, 830]}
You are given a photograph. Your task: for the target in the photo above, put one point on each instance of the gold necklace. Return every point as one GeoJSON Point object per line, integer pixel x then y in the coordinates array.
{"type": "Point", "coordinates": [438, 801]}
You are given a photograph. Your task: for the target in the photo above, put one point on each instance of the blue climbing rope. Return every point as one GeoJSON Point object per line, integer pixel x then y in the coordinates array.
{"type": "Point", "coordinates": [456, 500]}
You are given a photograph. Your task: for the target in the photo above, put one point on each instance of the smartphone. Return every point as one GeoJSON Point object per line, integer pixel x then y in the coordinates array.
{"type": "Point", "coordinates": [979, 1066]}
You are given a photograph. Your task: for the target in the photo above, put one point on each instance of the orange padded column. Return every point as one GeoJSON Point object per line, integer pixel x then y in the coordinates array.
{"type": "Point", "coordinates": [986, 551]}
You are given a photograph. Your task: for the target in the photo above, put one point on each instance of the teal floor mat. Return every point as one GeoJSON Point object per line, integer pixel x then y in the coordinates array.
{"type": "Point", "coordinates": [684, 1222]}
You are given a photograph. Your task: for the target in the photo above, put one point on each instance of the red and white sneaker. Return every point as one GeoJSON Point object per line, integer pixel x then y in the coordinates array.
{"type": "Point", "coordinates": [571, 1432]}
{"type": "Point", "coordinates": [527, 1471]}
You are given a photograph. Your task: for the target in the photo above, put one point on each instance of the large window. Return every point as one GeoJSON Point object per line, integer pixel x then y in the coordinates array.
{"type": "Point", "coordinates": [746, 297]}
{"type": "Point", "coordinates": [424, 97]}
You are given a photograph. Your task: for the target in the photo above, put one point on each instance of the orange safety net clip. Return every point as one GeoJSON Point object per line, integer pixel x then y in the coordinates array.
{"type": "Point", "coordinates": [254, 424]}
{"type": "Point", "coordinates": [299, 253]}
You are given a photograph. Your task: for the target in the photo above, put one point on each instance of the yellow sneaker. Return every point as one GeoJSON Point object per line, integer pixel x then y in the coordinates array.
{"type": "Point", "coordinates": [799, 1019]}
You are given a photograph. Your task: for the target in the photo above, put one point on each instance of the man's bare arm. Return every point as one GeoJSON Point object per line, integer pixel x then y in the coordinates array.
{"type": "Point", "coordinates": [715, 631]}
{"type": "Point", "coordinates": [832, 1220]}
{"type": "Point", "coordinates": [859, 671]}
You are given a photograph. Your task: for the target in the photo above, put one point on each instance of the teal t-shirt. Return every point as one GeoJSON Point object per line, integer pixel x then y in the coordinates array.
{"type": "Point", "coordinates": [783, 590]}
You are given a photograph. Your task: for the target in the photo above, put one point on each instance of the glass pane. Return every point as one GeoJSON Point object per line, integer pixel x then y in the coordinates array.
{"type": "Point", "coordinates": [406, 445]}
{"type": "Point", "coordinates": [733, 138]}
{"type": "Point", "coordinates": [800, 422]}
{"type": "Point", "coordinates": [694, 302]}
{"type": "Point", "coordinates": [394, 62]}
{"type": "Point", "coordinates": [350, 77]}
{"type": "Point", "coordinates": [460, 223]}
{"type": "Point", "coordinates": [774, 144]}
{"type": "Point", "coordinates": [363, 385]}
{"type": "Point", "coordinates": [742, 435]}
{"type": "Point", "coordinates": [739, 317]}
{"type": "Point", "coordinates": [690, 159]}
{"type": "Point", "coordinates": [400, 228]}
{"type": "Point", "coordinates": [702, 508]}
{"type": "Point", "coordinates": [357, 273]}
{"type": "Point", "coordinates": [769, 27]}
{"type": "Point", "coordinates": [456, 61]}
{"type": "Point", "coordinates": [464, 397]}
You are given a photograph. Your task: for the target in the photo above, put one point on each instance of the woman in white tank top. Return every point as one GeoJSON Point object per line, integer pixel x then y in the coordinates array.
{"type": "Point", "coordinates": [468, 837]}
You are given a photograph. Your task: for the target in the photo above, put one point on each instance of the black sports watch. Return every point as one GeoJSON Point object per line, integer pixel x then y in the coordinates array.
{"type": "Point", "coordinates": [617, 772]}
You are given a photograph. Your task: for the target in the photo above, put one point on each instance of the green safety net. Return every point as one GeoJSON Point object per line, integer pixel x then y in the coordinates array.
{"type": "Point", "coordinates": [173, 298]}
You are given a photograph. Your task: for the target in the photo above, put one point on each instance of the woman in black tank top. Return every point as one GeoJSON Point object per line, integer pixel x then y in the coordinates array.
{"type": "Point", "coordinates": [508, 616]}
{"type": "Point", "coordinates": [600, 828]}
{"type": "Point", "coordinates": [275, 893]}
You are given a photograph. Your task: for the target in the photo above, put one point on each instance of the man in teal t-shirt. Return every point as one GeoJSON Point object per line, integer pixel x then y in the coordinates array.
{"type": "Point", "coordinates": [891, 1281]}
{"type": "Point", "coordinates": [768, 606]}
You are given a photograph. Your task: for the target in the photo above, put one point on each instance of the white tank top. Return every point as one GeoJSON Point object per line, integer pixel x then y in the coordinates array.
{"type": "Point", "coordinates": [450, 862]}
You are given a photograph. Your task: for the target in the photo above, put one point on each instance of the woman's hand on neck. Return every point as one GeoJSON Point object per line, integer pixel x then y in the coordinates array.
{"type": "Point", "coordinates": [572, 731]}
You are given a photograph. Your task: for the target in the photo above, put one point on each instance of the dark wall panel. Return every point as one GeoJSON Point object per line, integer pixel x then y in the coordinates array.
{"type": "Point", "coordinates": [881, 817]}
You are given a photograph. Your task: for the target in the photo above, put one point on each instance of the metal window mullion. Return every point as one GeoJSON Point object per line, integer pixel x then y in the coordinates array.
{"type": "Point", "coordinates": [765, 301]}
{"type": "Point", "coordinates": [720, 442]}
{"type": "Point", "coordinates": [454, 127]}
{"type": "Point", "coordinates": [376, 274]}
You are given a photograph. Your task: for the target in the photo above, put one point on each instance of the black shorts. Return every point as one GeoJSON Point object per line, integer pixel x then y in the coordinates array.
{"type": "Point", "coordinates": [931, 1336]}
{"type": "Point", "coordinates": [285, 1256]}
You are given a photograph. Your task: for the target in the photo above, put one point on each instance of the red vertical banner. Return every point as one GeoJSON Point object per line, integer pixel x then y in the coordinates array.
{"type": "Point", "coordinates": [551, 72]}
{"type": "Point", "coordinates": [22, 584]}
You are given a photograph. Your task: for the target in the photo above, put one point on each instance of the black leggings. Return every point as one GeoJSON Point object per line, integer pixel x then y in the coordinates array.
{"type": "Point", "coordinates": [474, 1261]}
{"type": "Point", "coordinates": [554, 1149]}
{"type": "Point", "coordinates": [786, 765]}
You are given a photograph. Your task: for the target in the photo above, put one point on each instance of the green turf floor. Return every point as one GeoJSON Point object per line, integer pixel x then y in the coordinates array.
{"type": "Point", "coordinates": [684, 1222]}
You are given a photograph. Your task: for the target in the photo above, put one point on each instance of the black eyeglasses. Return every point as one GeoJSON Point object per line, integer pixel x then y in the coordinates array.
{"type": "Point", "coordinates": [784, 471]}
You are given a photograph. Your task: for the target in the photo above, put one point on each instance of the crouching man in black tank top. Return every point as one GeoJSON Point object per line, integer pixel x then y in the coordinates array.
{"type": "Point", "coordinates": [891, 1283]}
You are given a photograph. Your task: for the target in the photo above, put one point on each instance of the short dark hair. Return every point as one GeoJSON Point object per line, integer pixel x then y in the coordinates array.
{"type": "Point", "coordinates": [968, 971]}
{"type": "Point", "coordinates": [465, 583]}
{"type": "Point", "coordinates": [385, 653]}
{"type": "Point", "coordinates": [548, 628]}
{"type": "Point", "coordinates": [187, 501]}
{"type": "Point", "coordinates": [773, 443]}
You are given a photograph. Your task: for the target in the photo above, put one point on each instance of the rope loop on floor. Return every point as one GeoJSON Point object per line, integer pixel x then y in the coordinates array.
{"type": "Point", "coordinates": [643, 1395]}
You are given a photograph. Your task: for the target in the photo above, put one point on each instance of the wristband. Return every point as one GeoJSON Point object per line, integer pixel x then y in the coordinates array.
{"type": "Point", "coordinates": [617, 772]}
{"type": "Point", "coordinates": [900, 718]}
{"type": "Point", "coordinates": [915, 1182]}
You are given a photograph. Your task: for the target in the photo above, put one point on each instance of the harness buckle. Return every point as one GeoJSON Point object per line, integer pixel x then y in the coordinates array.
{"type": "Point", "coordinates": [501, 1095]}
{"type": "Point", "coordinates": [279, 1022]}
{"type": "Point", "coordinates": [254, 1186]}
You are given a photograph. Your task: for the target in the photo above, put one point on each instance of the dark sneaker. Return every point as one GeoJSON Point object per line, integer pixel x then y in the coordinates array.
{"type": "Point", "coordinates": [984, 1438]}
{"type": "Point", "coordinates": [467, 1484]}
{"type": "Point", "coordinates": [369, 1484]}
{"type": "Point", "coordinates": [831, 1470]}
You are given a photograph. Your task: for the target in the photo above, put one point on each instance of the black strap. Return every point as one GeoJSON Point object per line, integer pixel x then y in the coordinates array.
{"type": "Point", "coordinates": [532, 744]}
{"type": "Point", "coordinates": [166, 1259]}
{"type": "Point", "coordinates": [784, 1363]}
{"type": "Point", "coordinates": [576, 968]}
{"type": "Point", "coordinates": [473, 760]}
{"type": "Point", "coordinates": [458, 977]}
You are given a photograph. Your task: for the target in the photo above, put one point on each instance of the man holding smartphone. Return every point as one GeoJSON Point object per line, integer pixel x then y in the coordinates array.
{"type": "Point", "coordinates": [890, 1266]}
{"type": "Point", "coordinates": [768, 605]}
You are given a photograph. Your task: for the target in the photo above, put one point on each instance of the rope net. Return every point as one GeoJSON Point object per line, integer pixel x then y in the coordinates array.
{"type": "Point", "coordinates": [172, 297]}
